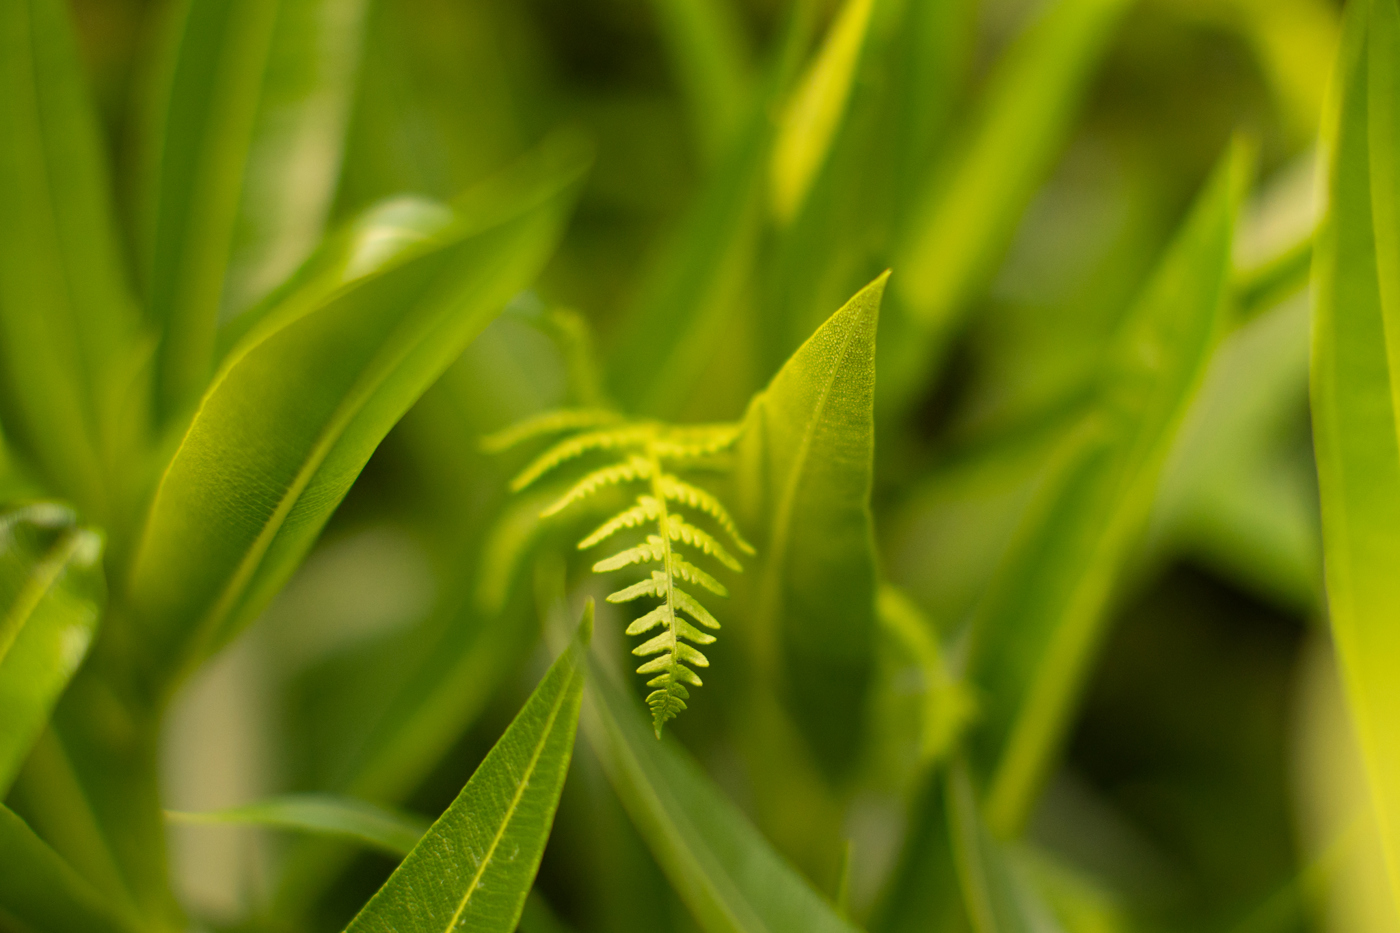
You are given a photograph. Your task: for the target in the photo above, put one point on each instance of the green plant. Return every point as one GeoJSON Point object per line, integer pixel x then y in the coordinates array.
{"type": "Point", "coordinates": [963, 347]}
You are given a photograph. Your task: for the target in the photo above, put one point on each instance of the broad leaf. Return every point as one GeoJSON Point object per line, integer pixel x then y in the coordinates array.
{"type": "Point", "coordinates": [474, 868]}
{"type": "Point", "coordinates": [323, 814]}
{"type": "Point", "coordinates": [302, 401]}
{"type": "Point", "coordinates": [806, 461]}
{"type": "Point", "coordinates": [814, 112]}
{"type": "Point", "coordinates": [973, 198]}
{"type": "Point", "coordinates": [721, 866]}
{"type": "Point", "coordinates": [1040, 624]}
{"type": "Point", "coordinates": [40, 893]}
{"type": "Point", "coordinates": [67, 323]}
{"type": "Point", "coordinates": [1356, 393]}
{"type": "Point", "coordinates": [241, 156]}
{"type": "Point", "coordinates": [52, 593]}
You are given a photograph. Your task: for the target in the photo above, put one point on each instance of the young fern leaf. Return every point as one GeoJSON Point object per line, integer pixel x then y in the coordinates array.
{"type": "Point", "coordinates": [648, 452]}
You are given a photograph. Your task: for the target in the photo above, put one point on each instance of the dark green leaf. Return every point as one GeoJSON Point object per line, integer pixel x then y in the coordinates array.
{"type": "Point", "coordinates": [721, 866]}
{"type": "Point", "coordinates": [52, 593]}
{"type": "Point", "coordinates": [474, 868]}
{"type": "Point", "coordinates": [303, 400]}
{"type": "Point", "coordinates": [707, 51]}
{"type": "Point", "coordinates": [40, 893]}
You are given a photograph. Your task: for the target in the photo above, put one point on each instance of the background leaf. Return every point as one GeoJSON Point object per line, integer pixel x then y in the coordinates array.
{"type": "Point", "coordinates": [68, 388]}
{"type": "Point", "coordinates": [323, 814]}
{"type": "Point", "coordinates": [1043, 618]}
{"type": "Point", "coordinates": [52, 593]}
{"type": "Point", "coordinates": [475, 866]}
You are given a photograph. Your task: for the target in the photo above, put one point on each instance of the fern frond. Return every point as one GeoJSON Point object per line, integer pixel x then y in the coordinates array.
{"type": "Point", "coordinates": [671, 648]}
{"type": "Point", "coordinates": [633, 469]}
{"type": "Point", "coordinates": [681, 530]}
{"type": "Point", "coordinates": [550, 422]}
{"type": "Point", "coordinates": [652, 550]}
{"type": "Point", "coordinates": [679, 491]}
{"type": "Point", "coordinates": [647, 509]}
{"type": "Point", "coordinates": [577, 446]}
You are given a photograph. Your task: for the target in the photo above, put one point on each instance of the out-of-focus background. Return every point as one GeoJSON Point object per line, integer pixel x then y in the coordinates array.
{"type": "Point", "coordinates": [1020, 164]}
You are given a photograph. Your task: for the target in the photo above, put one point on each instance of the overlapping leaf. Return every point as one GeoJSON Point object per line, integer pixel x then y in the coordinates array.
{"type": "Point", "coordinates": [40, 893]}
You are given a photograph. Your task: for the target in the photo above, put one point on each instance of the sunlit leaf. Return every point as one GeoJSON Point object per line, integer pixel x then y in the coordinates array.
{"type": "Point", "coordinates": [52, 593]}
{"type": "Point", "coordinates": [806, 459]}
{"type": "Point", "coordinates": [474, 868]}
{"type": "Point", "coordinates": [1356, 395]}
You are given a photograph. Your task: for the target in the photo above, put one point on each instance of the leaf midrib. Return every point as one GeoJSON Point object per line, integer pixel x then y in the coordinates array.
{"type": "Point", "coordinates": [521, 784]}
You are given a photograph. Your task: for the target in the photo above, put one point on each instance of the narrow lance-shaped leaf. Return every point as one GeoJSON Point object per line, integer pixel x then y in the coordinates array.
{"type": "Point", "coordinates": [1356, 394]}
{"type": "Point", "coordinates": [721, 866]}
{"type": "Point", "coordinates": [51, 596]}
{"type": "Point", "coordinates": [806, 460]}
{"type": "Point", "coordinates": [240, 156]}
{"type": "Point", "coordinates": [303, 400]}
{"type": "Point", "coordinates": [813, 115]}
{"type": "Point", "coordinates": [40, 892]}
{"type": "Point", "coordinates": [973, 197]}
{"type": "Point", "coordinates": [325, 815]}
{"type": "Point", "coordinates": [1041, 622]}
{"type": "Point", "coordinates": [474, 868]}
{"type": "Point", "coordinates": [67, 323]}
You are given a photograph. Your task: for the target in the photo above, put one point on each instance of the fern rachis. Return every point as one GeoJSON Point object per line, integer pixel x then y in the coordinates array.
{"type": "Point", "coordinates": [648, 449]}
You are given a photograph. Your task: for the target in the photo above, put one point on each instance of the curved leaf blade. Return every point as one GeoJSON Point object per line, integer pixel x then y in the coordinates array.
{"type": "Point", "coordinates": [301, 403]}
{"type": "Point", "coordinates": [721, 866]}
{"type": "Point", "coordinates": [52, 594]}
{"type": "Point", "coordinates": [40, 892]}
{"type": "Point", "coordinates": [1356, 395]}
{"type": "Point", "coordinates": [1043, 617]}
{"type": "Point", "coordinates": [389, 831]}
{"type": "Point", "coordinates": [807, 453]}
{"type": "Point", "coordinates": [474, 868]}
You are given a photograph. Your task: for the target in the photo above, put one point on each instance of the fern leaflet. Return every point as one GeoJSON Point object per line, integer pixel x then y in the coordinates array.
{"type": "Point", "coordinates": [648, 452]}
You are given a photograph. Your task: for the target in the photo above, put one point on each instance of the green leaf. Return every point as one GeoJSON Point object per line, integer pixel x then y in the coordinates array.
{"type": "Point", "coordinates": [705, 42]}
{"type": "Point", "coordinates": [996, 896]}
{"type": "Point", "coordinates": [67, 322]}
{"type": "Point", "coordinates": [1040, 625]}
{"type": "Point", "coordinates": [302, 401]}
{"type": "Point", "coordinates": [721, 866]}
{"type": "Point", "coordinates": [240, 157]}
{"type": "Point", "coordinates": [806, 458]}
{"type": "Point", "coordinates": [1356, 395]}
{"type": "Point", "coordinates": [323, 814]}
{"type": "Point", "coordinates": [52, 593]}
{"type": "Point", "coordinates": [475, 866]}
{"type": "Point", "coordinates": [40, 893]}
{"type": "Point", "coordinates": [813, 114]}
{"type": "Point", "coordinates": [970, 203]}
